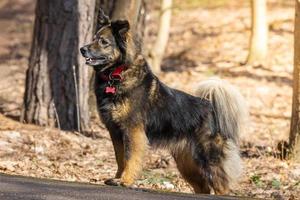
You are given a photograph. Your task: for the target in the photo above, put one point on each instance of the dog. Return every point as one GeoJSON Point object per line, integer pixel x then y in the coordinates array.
{"type": "Point", "coordinates": [201, 132]}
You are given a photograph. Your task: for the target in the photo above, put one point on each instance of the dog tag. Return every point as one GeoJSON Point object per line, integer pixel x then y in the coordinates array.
{"type": "Point", "coordinates": [111, 90]}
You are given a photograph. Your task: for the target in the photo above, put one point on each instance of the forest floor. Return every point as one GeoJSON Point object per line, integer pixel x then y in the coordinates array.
{"type": "Point", "coordinates": [205, 41]}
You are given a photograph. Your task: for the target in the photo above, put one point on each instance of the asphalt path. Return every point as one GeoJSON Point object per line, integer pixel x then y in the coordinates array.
{"type": "Point", "coordinates": [25, 188]}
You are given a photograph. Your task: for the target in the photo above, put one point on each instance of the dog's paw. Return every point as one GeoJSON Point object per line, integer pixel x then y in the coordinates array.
{"type": "Point", "coordinates": [119, 182]}
{"type": "Point", "coordinates": [113, 182]}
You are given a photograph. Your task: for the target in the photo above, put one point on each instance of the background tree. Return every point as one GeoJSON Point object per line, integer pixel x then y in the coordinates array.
{"type": "Point", "coordinates": [157, 52]}
{"type": "Point", "coordinates": [295, 122]}
{"type": "Point", "coordinates": [258, 46]}
{"type": "Point", "coordinates": [57, 78]}
{"type": "Point", "coordinates": [132, 10]}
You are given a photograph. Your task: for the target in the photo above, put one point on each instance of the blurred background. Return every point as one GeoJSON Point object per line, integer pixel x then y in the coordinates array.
{"type": "Point", "coordinates": [248, 43]}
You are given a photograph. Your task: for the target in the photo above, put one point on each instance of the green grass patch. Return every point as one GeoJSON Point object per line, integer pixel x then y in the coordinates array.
{"type": "Point", "coordinates": [156, 178]}
{"type": "Point", "coordinates": [276, 184]}
{"type": "Point", "coordinates": [256, 179]}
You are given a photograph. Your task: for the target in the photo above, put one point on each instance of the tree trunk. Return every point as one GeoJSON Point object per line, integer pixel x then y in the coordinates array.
{"type": "Point", "coordinates": [158, 50]}
{"type": "Point", "coordinates": [57, 78]}
{"type": "Point", "coordinates": [132, 10]}
{"type": "Point", "coordinates": [258, 47]}
{"type": "Point", "coordinates": [295, 122]}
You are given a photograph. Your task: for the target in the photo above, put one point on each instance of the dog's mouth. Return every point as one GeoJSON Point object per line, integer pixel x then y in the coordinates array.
{"type": "Point", "coordinates": [95, 61]}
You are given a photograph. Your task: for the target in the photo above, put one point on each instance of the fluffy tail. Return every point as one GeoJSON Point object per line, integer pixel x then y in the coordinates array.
{"type": "Point", "coordinates": [231, 114]}
{"type": "Point", "coordinates": [228, 104]}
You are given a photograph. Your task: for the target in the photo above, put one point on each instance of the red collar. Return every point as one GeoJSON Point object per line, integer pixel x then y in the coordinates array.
{"type": "Point", "coordinates": [112, 78]}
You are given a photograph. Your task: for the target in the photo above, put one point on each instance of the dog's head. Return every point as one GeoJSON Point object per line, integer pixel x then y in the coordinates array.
{"type": "Point", "coordinates": [109, 43]}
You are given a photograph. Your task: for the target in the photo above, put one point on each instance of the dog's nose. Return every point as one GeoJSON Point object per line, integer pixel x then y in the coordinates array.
{"type": "Point", "coordinates": [83, 50]}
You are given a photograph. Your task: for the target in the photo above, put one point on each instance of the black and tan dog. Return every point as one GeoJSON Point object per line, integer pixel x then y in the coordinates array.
{"type": "Point", "coordinates": [138, 110]}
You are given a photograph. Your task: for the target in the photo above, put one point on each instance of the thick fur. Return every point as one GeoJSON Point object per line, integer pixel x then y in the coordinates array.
{"type": "Point", "coordinates": [200, 132]}
{"type": "Point", "coordinates": [230, 107]}
{"type": "Point", "coordinates": [228, 104]}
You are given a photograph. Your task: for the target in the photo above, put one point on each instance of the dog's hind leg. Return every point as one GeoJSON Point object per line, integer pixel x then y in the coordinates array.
{"type": "Point", "coordinates": [191, 172]}
{"type": "Point", "coordinates": [227, 172]}
{"type": "Point", "coordinates": [212, 166]}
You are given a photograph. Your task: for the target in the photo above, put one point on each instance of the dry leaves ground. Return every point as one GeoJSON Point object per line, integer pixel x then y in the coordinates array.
{"type": "Point", "coordinates": [204, 42]}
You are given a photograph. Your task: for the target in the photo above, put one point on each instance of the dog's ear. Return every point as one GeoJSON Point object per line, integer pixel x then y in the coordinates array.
{"type": "Point", "coordinates": [103, 20]}
{"type": "Point", "coordinates": [120, 26]}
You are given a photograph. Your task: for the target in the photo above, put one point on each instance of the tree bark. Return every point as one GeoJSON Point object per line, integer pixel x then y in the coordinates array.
{"type": "Point", "coordinates": [258, 47]}
{"type": "Point", "coordinates": [158, 50]}
{"type": "Point", "coordinates": [132, 10]}
{"type": "Point", "coordinates": [57, 78]}
{"type": "Point", "coordinates": [295, 122]}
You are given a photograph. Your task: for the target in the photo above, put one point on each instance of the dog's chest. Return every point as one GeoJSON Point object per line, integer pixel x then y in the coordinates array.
{"type": "Point", "coordinates": [118, 111]}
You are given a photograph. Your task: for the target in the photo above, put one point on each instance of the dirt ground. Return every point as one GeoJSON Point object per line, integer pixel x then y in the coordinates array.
{"type": "Point", "coordinates": [205, 41]}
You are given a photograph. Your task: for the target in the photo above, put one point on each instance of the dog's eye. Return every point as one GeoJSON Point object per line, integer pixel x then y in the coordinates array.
{"type": "Point", "coordinates": [103, 42]}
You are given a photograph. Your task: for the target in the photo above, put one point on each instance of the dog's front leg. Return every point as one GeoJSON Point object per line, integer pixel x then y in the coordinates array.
{"type": "Point", "coordinates": [135, 146]}
{"type": "Point", "coordinates": [117, 140]}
